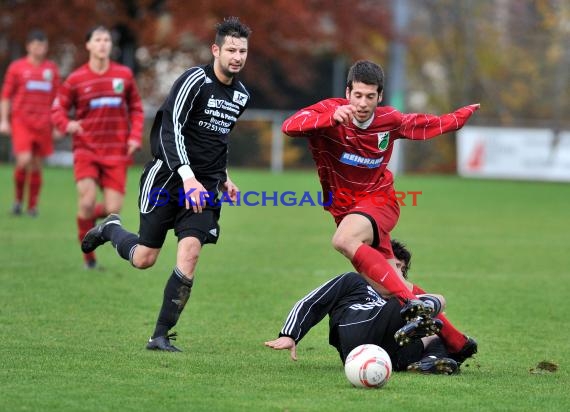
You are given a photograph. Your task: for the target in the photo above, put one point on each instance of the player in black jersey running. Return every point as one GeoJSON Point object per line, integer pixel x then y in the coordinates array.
{"type": "Point", "coordinates": [180, 187]}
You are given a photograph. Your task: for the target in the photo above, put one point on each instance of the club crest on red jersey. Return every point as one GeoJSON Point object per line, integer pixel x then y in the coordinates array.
{"type": "Point", "coordinates": [118, 85]}
{"type": "Point", "coordinates": [383, 140]}
{"type": "Point", "coordinates": [47, 75]}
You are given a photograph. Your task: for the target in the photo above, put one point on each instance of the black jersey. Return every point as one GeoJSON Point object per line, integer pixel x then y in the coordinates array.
{"type": "Point", "coordinates": [355, 310]}
{"type": "Point", "coordinates": [192, 125]}
{"type": "Point", "coordinates": [357, 315]}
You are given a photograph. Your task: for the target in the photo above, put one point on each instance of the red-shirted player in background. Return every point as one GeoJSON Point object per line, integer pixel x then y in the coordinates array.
{"type": "Point", "coordinates": [29, 88]}
{"type": "Point", "coordinates": [351, 141]}
{"type": "Point", "coordinates": [106, 129]}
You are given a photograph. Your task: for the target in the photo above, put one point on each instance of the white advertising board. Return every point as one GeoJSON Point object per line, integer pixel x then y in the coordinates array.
{"type": "Point", "coordinates": [513, 153]}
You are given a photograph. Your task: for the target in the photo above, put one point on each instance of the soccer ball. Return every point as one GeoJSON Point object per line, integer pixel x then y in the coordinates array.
{"type": "Point", "coordinates": [368, 366]}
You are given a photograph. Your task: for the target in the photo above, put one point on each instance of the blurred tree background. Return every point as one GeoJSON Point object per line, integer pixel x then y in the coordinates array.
{"type": "Point", "coordinates": [512, 56]}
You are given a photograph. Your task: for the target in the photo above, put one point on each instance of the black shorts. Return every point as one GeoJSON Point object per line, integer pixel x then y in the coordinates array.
{"type": "Point", "coordinates": [162, 207]}
{"type": "Point", "coordinates": [380, 331]}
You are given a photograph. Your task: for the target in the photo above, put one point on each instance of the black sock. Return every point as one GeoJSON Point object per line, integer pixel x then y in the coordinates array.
{"type": "Point", "coordinates": [435, 348]}
{"type": "Point", "coordinates": [410, 353]}
{"type": "Point", "coordinates": [124, 242]}
{"type": "Point", "coordinates": [176, 294]}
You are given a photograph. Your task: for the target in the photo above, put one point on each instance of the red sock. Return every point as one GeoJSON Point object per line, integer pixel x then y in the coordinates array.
{"type": "Point", "coordinates": [19, 183]}
{"type": "Point", "coordinates": [416, 290]}
{"type": "Point", "coordinates": [34, 189]}
{"type": "Point", "coordinates": [453, 339]}
{"type": "Point", "coordinates": [370, 262]}
{"type": "Point", "coordinates": [83, 226]}
{"type": "Point", "coordinates": [99, 211]}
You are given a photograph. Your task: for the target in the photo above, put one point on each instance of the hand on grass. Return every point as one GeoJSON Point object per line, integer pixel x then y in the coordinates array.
{"type": "Point", "coordinates": [284, 342]}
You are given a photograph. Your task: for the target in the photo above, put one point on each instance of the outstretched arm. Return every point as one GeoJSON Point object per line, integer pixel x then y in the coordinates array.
{"type": "Point", "coordinates": [421, 126]}
{"type": "Point", "coordinates": [306, 313]}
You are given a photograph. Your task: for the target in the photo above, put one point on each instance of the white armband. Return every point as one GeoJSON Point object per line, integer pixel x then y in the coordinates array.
{"type": "Point", "coordinates": [185, 172]}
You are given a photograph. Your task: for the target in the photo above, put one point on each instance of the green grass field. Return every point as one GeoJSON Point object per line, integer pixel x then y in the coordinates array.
{"type": "Point", "coordinates": [73, 340]}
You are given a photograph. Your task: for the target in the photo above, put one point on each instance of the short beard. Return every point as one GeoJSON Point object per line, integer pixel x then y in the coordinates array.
{"type": "Point", "coordinates": [228, 73]}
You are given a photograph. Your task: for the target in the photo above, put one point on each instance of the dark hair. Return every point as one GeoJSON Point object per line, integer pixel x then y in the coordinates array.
{"type": "Point", "coordinates": [92, 30]}
{"type": "Point", "coordinates": [403, 254]}
{"type": "Point", "coordinates": [231, 26]}
{"type": "Point", "coordinates": [36, 34]}
{"type": "Point", "coordinates": [364, 71]}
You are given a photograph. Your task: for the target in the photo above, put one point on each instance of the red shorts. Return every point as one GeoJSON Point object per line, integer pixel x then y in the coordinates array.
{"type": "Point", "coordinates": [27, 140]}
{"type": "Point", "coordinates": [107, 176]}
{"type": "Point", "coordinates": [383, 216]}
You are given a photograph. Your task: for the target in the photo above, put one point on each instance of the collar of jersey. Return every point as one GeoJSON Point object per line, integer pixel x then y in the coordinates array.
{"type": "Point", "coordinates": [363, 125]}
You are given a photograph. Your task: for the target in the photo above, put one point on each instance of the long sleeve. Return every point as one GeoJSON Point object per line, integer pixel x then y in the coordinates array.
{"type": "Point", "coordinates": [56, 83]}
{"type": "Point", "coordinates": [420, 126]}
{"type": "Point", "coordinates": [312, 308]}
{"type": "Point", "coordinates": [176, 113]}
{"type": "Point", "coordinates": [136, 114]}
{"type": "Point", "coordinates": [10, 83]}
{"type": "Point", "coordinates": [317, 116]}
{"type": "Point", "coordinates": [63, 102]}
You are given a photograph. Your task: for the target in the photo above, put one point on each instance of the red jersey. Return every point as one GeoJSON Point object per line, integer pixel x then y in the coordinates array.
{"type": "Point", "coordinates": [31, 89]}
{"type": "Point", "coordinates": [351, 160]}
{"type": "Point", "coordinates": [109, 108]}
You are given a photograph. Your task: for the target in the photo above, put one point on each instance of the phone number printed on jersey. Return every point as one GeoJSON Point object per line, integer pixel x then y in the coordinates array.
{"type": "Point", "coordinates": [214, 127]}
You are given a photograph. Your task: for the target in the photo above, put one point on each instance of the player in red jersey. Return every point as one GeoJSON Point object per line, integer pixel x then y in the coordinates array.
{"type": "Point", "coordinates": [351, 141]}
{"type": "Point", "coordinates": [28, 91]}
{"type": "Point", "coordinates": [106, 129]}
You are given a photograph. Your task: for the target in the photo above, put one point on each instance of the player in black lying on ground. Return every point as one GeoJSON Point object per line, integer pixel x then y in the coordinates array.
{"type": "Point", "coordinates": [359, 315]}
